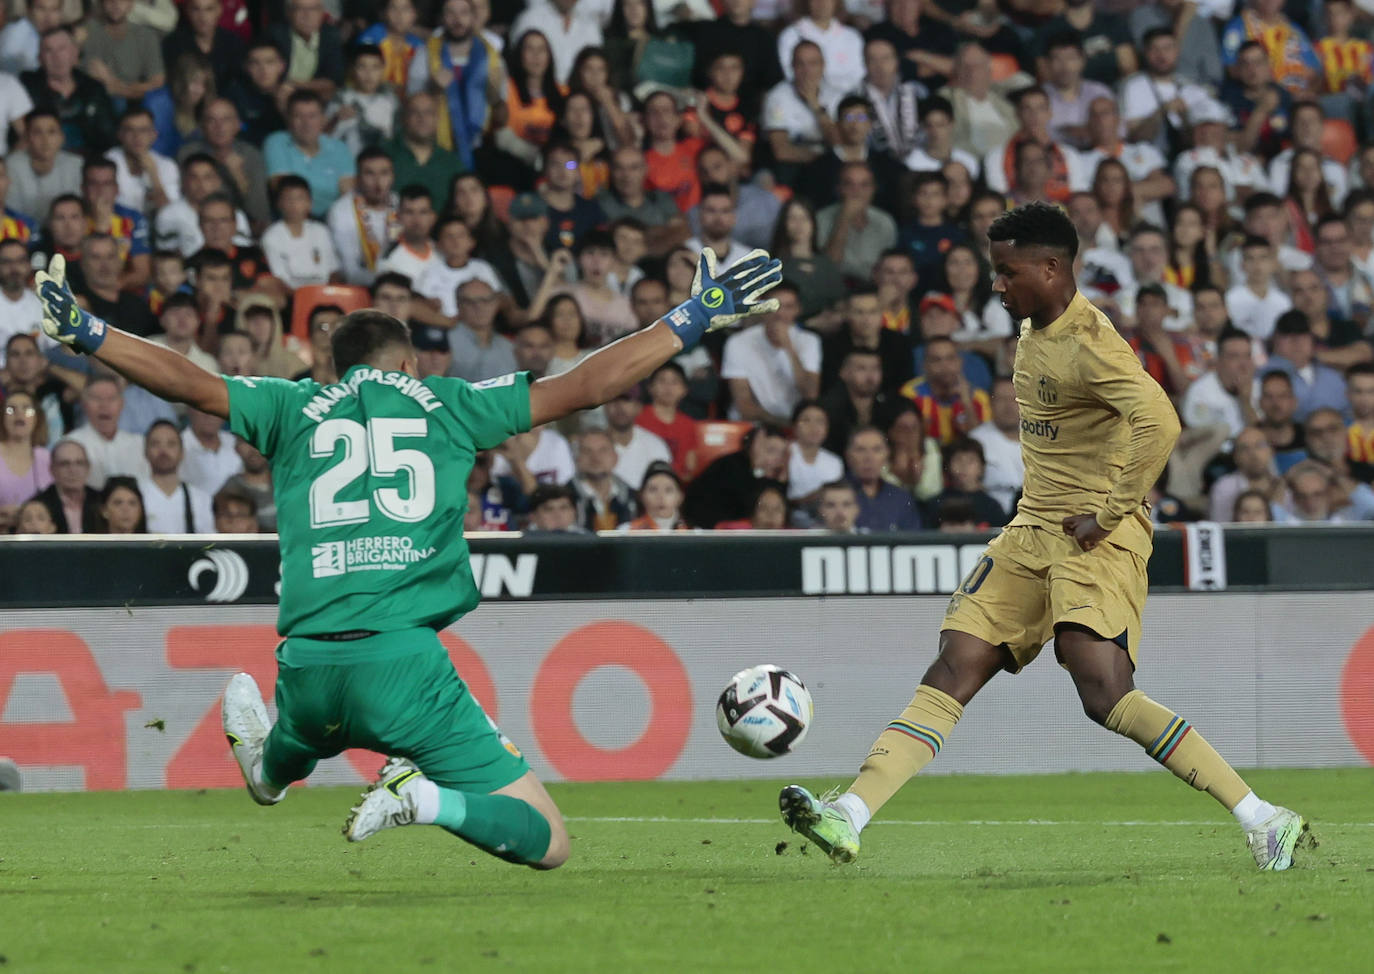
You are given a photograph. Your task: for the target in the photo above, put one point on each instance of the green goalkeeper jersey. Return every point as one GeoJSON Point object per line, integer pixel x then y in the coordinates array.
{"type": "Point", "coordinates": [370, 479]}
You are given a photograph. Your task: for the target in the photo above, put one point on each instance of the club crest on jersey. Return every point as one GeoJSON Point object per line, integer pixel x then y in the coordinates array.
{"type": "Point", "coordinates": [1047, 391]}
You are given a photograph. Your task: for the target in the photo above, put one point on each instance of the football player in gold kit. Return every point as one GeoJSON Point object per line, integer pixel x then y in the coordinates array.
{"type": "Point", "coordinates": [1096, 431]}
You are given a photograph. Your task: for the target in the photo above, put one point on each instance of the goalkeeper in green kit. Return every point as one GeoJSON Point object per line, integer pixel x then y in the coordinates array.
{"type": "Point", "coordinates": [370, 479]}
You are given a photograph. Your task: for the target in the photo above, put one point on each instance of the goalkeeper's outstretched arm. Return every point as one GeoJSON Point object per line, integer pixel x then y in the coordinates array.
{"type": "Point", "coordinates": [164, 372]}
{"type": "Point", "coordinates": [716, 302]}
{"type": "Point", "coordinates": [160, 370]}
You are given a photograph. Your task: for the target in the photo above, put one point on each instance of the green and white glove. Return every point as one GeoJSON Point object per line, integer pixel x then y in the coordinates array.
{"type": "Point", "coordinates": [63, 318]}
{"type": "Point", "coordinates": [721, 301]}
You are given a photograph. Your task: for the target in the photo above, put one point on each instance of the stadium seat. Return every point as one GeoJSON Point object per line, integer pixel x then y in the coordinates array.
{"type": "Point", "coordinates": [350, 297]}
{"type": "Point", "coordinates": [1004, 66]}
{"type": "Point", "coordinates": [715, 438]}
{"type": "Point", "coordinates": [1338, 140]}
{"type": "Point", "coordinates": [501, 199]}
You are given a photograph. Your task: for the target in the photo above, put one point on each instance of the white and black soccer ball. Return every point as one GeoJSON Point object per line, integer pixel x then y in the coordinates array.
{"type": "Point", "coordinates": [764, 712]}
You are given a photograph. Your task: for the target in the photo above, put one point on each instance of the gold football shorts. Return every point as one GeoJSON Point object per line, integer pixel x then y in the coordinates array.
{"type": "Point", "coordinates": [1032, 579]}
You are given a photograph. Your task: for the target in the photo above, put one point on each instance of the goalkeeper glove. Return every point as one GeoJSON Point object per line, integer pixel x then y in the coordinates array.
{"type": "Point", "coordinates": [63, 318]}
{"type": "Point", "coordinates": [718, 302]}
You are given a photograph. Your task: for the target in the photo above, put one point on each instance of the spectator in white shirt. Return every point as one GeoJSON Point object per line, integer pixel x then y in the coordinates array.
{"type": "Point", "coordinates": [541, 456]}
{"type": "Point", "coordinates": [1307, 121]}
{"type": "Point", "coordinates": [19, 39]}
{"type": "Point", "coordinates": [1157, 99]}
{"type": "Point", "coordinates": [1070, 95]}
{"type": "Point", "coordinates": [180, 323]}
{"type": "Point", "coordinates": [177, 226]}
{"type": "Point", "coordinates": [299, 250]}
{"type": "Point", "coordinates": [363, 221]}
{"type": "Point", "coordinates": [414, 252]}
{"type": "Point", "coordinates": [440, 281]}
{"type": "Point", "coordinates": [1004, 471]}
{"type": "Point", "coordinates": [810, 466]}
{"type": "Point", "coordinates": [842, 46]}
{"type": "Point", "coordinates": [20, 311]}
{"type": "Point", "coordinates": [716, 213]}
{"type": "Point", "coordinates": [799, 114]}
{"type": "Point", "coordinates": [773, 365]}
{"type": "Point", "coordinates": [635, 447]}
{"type": "Point", "coordinates": [1149, 254]}
{"type": "Point", "coordinates": [147, 181]}
{"type": "Point", "coordinates": [1256, 302]}
{"type": "Point", "coordinates": [171, 505]}
{"type": "Point", "coordinates": [111, 450]}
{"type": "Point", "coordinates": [209, 457]}
{"type": "Point", "coordinates": [1224, 395]}
{"type": "Point", "coordinates": [567, 28]}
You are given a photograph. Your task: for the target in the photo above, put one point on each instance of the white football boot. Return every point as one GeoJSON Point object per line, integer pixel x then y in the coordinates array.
{"type": "Point", "coordinates": [1273, 841]}
{"type": "Point", "coordinates": [244, 716]}
{"type": "Point", "coordinates": [389, 802]}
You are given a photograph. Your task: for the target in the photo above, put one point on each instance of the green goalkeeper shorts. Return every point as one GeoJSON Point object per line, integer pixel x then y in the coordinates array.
{"type": "Point", "coordinates": [396, 693]}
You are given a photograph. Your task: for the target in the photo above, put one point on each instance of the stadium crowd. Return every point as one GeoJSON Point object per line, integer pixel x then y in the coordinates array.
{"type": "Point", "coordinates": [524, 183]}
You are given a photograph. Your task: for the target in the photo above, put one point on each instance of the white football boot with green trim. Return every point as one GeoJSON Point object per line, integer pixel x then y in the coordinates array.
{"type": "Point", "coordinates": [244, 718]}
{"type": "Point", "coordinates": [387, 803]}
{"type": "Point", "coordinates": [1273, 841]}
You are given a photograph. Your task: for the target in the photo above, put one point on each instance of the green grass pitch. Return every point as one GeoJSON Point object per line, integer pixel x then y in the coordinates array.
{"type": "Point", "coordinates": [1092, 872]}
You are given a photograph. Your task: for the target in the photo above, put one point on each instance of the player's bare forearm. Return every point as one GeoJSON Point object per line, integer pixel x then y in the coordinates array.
{"type": "Point", "coordinates": [164, 373]}
{"type": "Point", "coordinates": [604, 374]}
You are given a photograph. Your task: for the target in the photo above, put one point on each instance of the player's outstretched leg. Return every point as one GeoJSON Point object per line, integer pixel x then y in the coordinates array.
{"type": "Point", "coordinates": [518, 823]}
{"type": "Point", "coordinates": [1101, 673]}
{"type": "Point", "coordinates": [246, 726]}
{"type": "Point", "coordinates": [909, 743]}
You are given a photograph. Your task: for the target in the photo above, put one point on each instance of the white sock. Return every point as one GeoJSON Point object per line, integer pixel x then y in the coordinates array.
{"type": "Point", "coordinates": [1251, 810]}
{"type": "Point", "coordinates": [261, 785]}
{"type": "Point", "coordinates": [426, 795]}
{"type": "Point", "coordinates": [853, 806]}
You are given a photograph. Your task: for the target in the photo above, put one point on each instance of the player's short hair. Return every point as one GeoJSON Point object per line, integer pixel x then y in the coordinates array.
{"type": "Point", "coordinates": [926, 178]}
{"type": "Point", "coordinates": [1036, 224]}
{"type": "Point", "coordinates": [1359, 368]}
{"type": "Point", "coordinates": [137, 111]}
{"type": "Point", "coordinates": [1252, 241]}
{"type": "Point", "coordinates": [1292, 322]}
{"type": "Point", "coordinates": [363, 336]}
{"type": "Point", "coordinates": [839, 485]}
{"type": "Point", "coordinates": [862, 290]}
{"type": "Point", "coordinates": [414, 191]}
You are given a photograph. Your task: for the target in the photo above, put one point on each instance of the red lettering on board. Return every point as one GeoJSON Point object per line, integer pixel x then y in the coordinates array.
{"type": "Point", "coordinates": [95, 739]}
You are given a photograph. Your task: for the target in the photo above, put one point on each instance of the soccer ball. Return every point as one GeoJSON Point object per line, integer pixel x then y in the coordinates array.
{"type": "Point", "coordinates": [764, 712]}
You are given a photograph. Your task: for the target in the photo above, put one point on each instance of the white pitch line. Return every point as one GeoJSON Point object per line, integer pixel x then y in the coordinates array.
{"type": "Point", "coordinates": [652, 819]}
